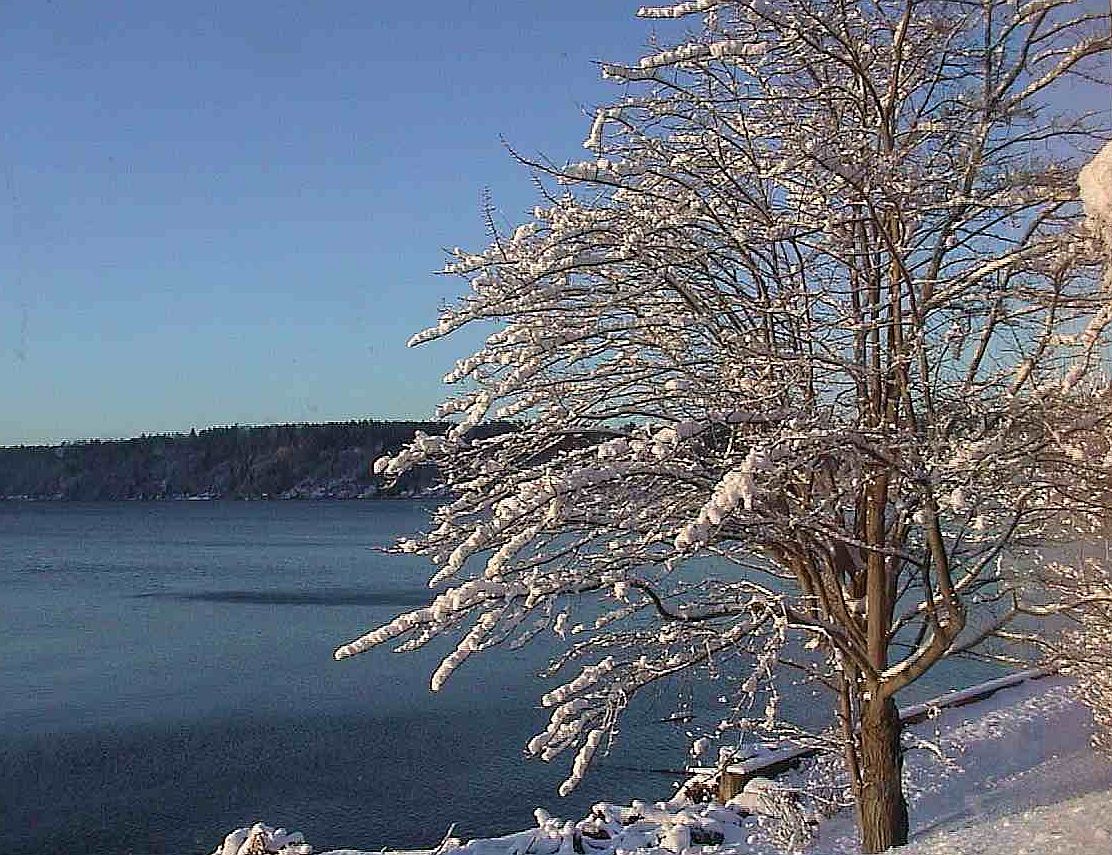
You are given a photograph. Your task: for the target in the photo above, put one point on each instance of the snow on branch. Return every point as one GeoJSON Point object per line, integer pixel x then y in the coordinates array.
{"type": "Point", "coordinates": [679, 10]}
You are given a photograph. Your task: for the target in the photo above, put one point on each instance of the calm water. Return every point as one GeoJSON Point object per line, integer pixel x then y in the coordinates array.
{"type": "Point", "coordinates": [166, 675]}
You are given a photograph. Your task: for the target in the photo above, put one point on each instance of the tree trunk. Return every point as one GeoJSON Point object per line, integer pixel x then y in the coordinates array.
{"type": "Point", "coordinates": [882, 810]}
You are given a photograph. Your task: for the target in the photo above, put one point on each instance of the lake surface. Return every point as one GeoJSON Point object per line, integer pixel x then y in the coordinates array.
{"type": "Point", "coordinates": [166, 675]}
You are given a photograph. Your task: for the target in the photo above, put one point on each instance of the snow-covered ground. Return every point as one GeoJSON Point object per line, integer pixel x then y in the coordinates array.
{"type": "Point", "coordinates": [1018, 777]}
{"type": "Point", "coordinates": [1015, 775]}
{"type": "Point", "coordinates": [1082, 824]}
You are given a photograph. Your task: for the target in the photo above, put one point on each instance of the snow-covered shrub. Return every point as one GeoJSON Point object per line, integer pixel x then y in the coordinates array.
{"type": "Point", "coordinates": [771, 816]}
{"type": "Point", "coordinates": [1083, 644]}
{"type": "Point", "coordinates": [779, 813]}
{"type": "Point", "coordinates": [261, 839]}
{"type": "Point", "coordinates": [1085, 587]}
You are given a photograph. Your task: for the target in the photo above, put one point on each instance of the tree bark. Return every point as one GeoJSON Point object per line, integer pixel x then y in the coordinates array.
{"type": "Point", "coordinates": [882, 809]}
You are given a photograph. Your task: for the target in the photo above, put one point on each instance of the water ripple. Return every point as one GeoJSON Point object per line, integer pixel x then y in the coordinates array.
{"type": "Point", "coordinates": [299, 597]}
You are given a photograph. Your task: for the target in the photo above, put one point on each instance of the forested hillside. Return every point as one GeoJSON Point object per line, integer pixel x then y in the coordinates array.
{"type": "Point", "coordinates": [277, 462]}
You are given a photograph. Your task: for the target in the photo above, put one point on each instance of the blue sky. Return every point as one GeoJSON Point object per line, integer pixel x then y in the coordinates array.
{"type": "Point", "coordinates": [232, 213]}
{"type": "Point", "coordinates": [218, 213]}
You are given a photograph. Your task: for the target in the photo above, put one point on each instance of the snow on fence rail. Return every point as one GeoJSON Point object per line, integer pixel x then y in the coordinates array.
{"type": "Point", "coordinates": [732, 777]}
{"type": "Point", "coordinates": [920, 712]}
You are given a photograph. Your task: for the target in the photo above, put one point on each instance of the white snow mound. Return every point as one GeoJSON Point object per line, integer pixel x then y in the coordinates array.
{"type": "Point", "coordinates": [1080, 826]}
{"type": "Point", "coordinates": [1095, 181]}
{"type": "Point", "coordinates": [261, 839]}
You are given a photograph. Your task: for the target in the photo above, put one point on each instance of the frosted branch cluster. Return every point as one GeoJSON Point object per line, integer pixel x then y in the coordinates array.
{"type": "Point", "coordinates": [820, 310]}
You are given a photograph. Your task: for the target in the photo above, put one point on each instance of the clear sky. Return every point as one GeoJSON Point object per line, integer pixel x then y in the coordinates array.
{"type": "Point", "coordinates": [221, 213]}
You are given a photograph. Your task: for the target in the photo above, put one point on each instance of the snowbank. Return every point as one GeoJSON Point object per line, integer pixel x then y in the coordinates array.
{"type": "Point", "coordinates": [1023, 750]}
{"type": "Point", "coordinates": [1079, 826]}
{"type": "Point", "coordinates": [1009, 775]}
{"type": "Point", "coordinates": [1095, 181]}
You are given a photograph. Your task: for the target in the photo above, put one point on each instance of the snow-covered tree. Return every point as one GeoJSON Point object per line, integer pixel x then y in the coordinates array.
{"type": "Point", "coordinates": [803, 359]}
{"type": "Point", "coordinates": [1082, 583]}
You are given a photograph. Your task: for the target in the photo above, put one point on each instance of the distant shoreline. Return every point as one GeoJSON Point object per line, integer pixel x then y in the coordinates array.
{"type": "Point", "coordinates": [433, 496]}
{"type": "Point", "coordinates": [272, 462]}
{"type": "Point", "coordinates": [385, 497]}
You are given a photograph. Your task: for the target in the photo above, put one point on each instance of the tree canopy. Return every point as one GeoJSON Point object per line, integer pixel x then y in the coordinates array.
{"type": "Point", "coordinates": [819, 309]}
